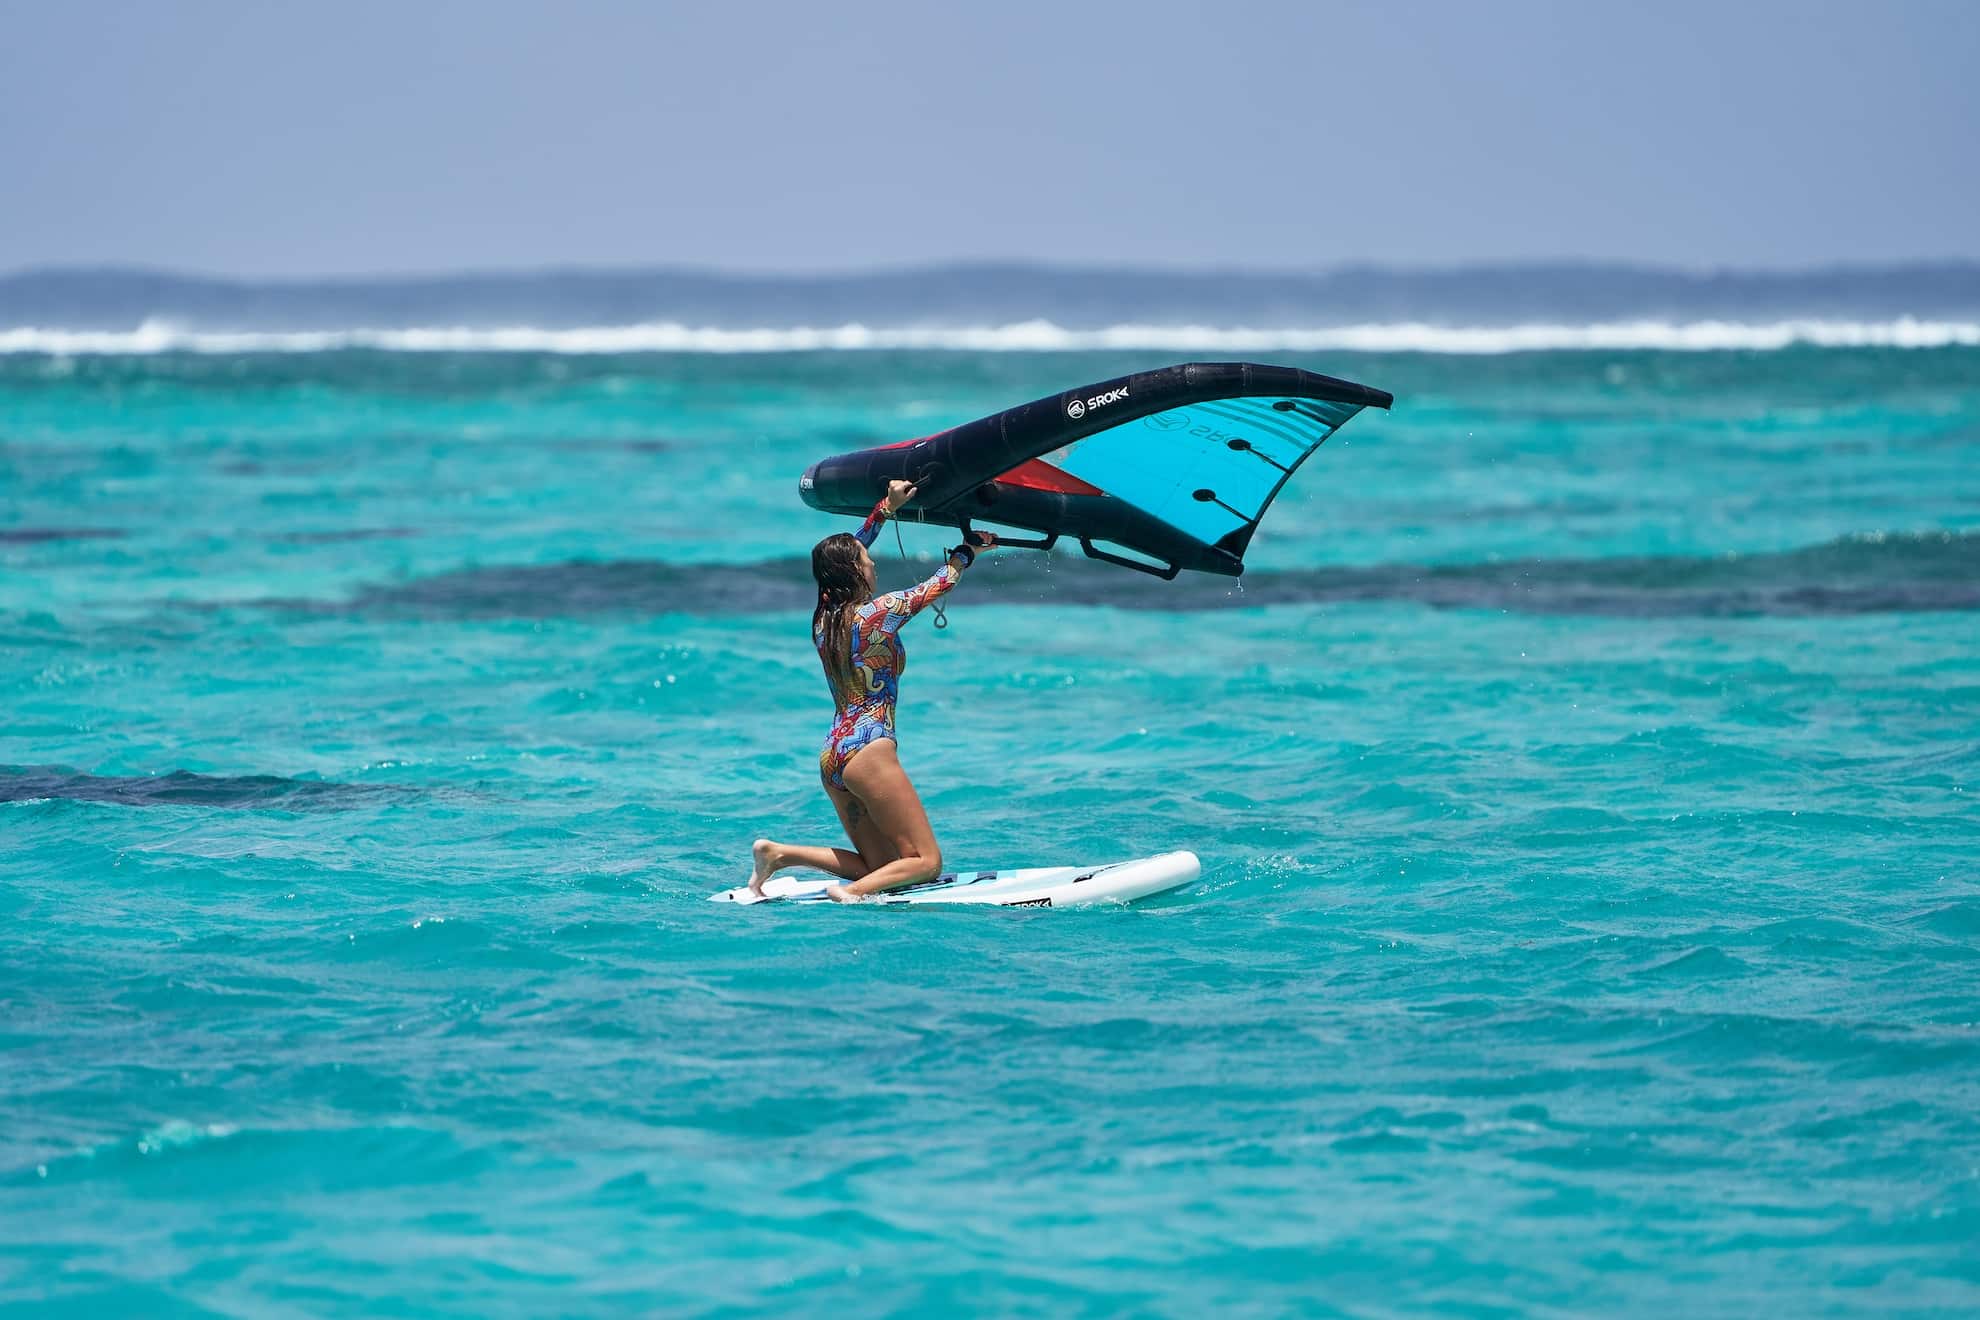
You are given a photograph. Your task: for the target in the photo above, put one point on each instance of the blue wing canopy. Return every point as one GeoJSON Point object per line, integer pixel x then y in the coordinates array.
{"type": "Point", "coordinates": [1211, 469]}
{"type": "Point", "coordinates": [1175, 465]}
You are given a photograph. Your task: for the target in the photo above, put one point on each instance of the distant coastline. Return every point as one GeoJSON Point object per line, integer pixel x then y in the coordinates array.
{"type": "Point", "coordinates": [980, 297]}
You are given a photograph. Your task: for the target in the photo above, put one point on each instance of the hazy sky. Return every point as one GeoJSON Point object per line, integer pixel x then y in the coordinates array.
{"type": "Point", "coordinates": [270, 138]}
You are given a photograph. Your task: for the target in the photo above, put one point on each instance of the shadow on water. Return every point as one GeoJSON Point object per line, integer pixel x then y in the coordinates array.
{"type": "Point", "coordinates": [37, 535]}
{"type": "Point", "coordinates": [180, 788]}
{"type": "Point", "coordinates": [1855, 575]}
{"type": "Point", "coordinates": [337, 537]}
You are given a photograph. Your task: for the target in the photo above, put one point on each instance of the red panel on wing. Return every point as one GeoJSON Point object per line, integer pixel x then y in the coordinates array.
{"type": "Point", "coordinates": [1037, 474]}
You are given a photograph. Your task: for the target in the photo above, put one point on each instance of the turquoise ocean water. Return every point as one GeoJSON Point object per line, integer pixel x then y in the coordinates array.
{"type": "Point", "coordinates": [1584, 778]}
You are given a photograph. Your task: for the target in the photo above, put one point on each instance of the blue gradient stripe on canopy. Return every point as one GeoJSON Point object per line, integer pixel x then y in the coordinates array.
{"type": "Point", "coordinates": [1209, 470]}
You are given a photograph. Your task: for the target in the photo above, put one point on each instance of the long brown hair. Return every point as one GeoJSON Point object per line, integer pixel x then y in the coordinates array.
{"type": "Point", "coordinates": [841, 589]}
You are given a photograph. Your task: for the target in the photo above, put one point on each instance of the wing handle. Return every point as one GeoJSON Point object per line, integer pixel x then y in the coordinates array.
{"type": "Point", "coordinates": [1166, 572]}
{"type": "Point", "coordinates": [1045, 542]}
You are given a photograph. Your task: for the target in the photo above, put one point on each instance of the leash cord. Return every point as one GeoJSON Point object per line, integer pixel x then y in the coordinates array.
{"type": "Point", "coordinates": [941, 614]}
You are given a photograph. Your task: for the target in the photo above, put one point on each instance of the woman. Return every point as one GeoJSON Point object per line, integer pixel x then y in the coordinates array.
{"type": "Point", "coordinates": [858, 639]}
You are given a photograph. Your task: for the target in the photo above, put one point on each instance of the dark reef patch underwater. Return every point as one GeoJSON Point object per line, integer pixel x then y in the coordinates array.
{"type": "Point", "coordinates": [181, 789]}
{"type": "Point", "coordinates": [1855, 575]}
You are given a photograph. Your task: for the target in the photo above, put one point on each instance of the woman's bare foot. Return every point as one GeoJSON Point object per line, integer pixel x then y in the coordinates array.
{"type": "Point", "coordinates": [841, 894]}
{"type": "Point", "coordinates": [763, 864]}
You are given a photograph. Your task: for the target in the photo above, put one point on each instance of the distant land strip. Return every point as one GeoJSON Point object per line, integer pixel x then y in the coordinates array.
{"type": "Point", "coordinates": [988, 294]}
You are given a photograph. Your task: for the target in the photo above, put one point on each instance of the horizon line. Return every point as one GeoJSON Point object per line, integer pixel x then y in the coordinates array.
{"type": "Point", "coordinates": [982, 265]}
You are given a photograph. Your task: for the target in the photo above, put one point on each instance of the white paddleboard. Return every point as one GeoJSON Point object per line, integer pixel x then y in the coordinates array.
{"type": "Point", "coordinates": [1043, 886]}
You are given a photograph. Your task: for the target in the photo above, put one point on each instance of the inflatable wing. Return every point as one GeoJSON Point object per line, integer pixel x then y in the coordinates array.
{"type": "Point", "coordinates": [1175, 466]}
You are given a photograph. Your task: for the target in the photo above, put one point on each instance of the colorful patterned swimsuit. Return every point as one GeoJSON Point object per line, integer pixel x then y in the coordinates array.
{"type": "Point", "coordinates": [867, 713]}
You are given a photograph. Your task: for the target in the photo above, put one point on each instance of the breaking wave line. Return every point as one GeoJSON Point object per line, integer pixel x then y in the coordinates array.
{"type": "Point", "coordinates": [1038, 336]}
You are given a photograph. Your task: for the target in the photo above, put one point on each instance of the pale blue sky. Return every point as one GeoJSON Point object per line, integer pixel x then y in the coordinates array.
{"type": "Point", "coordinates": [261, 139]}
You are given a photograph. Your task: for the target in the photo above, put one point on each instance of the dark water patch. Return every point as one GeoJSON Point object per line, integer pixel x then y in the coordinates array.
{"type": "Point", "coordinates": [347, 534]}
{"type": "Point", "coordinates": [36, 535]}
{"type": "Point", "coordinates": [1856, 1122]}
{"type": "Point", "coordinates": [1700, 964]}
{"type": "Point", "coordinates": [215, 1161]}
{"type": "Point", "coordinates": [1552, 509]}
{"type": "Point", "coordinates": [637, 445]}
{"type": "Point", "coordinates": [1381, 1143]}
{"type": "Point", "coordinates": [181, 788]}
{"type": "Point", "coordinates": [1933, 571]}
{"type": "Point", "coordinates": [1814, 936]}
{"type": "Point", "coordinates": [1958, 920]}
{"type": "Point", "coordinates": [578, 589]}
{"type": "Point", "coordinates": [1855, 575]}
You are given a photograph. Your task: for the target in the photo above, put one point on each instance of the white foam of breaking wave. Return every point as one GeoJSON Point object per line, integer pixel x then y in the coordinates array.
{"type": "Point", "coordinates": [1020, 337]}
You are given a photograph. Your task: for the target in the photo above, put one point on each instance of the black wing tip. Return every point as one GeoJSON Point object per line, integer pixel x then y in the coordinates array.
{"type": "Point", "coordinates": [1311, 383]}
{"type": "Point", "coordinates": [1347, 391]}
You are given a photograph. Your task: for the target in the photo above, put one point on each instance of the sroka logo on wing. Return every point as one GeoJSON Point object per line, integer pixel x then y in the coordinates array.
{"type": "Point", "coordinates": [1077, 408]}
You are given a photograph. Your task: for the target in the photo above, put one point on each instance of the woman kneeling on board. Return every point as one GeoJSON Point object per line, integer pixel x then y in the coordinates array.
{"type": "Point", "coordinates": [858, 639]}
